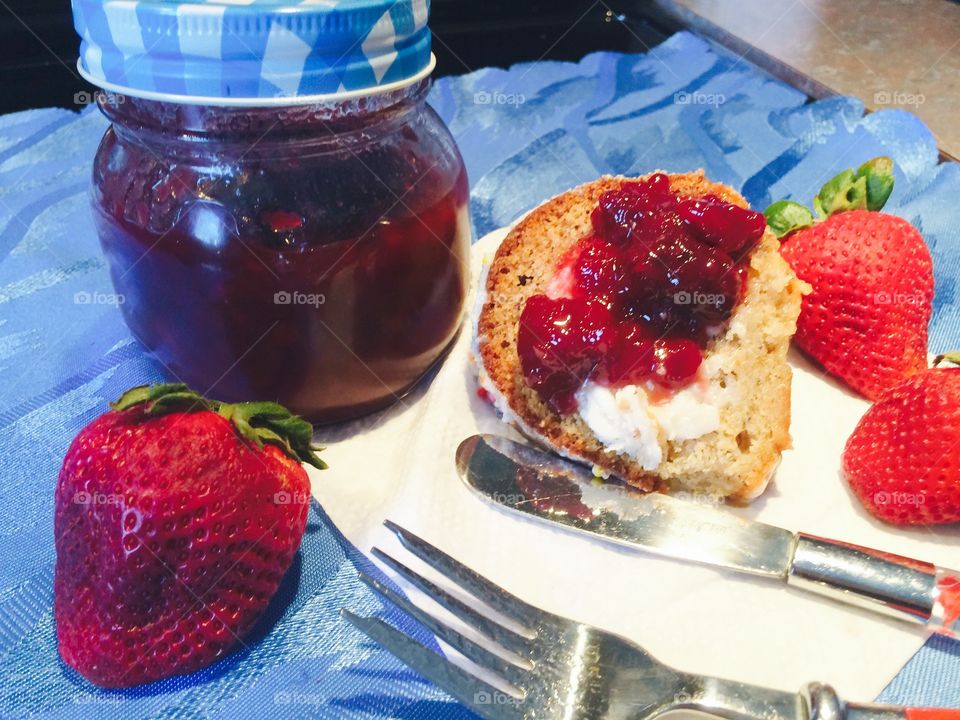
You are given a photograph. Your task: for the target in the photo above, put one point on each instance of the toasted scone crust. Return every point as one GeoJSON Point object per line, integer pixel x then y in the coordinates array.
{"type": "Point", "coordinates": [734, 462]}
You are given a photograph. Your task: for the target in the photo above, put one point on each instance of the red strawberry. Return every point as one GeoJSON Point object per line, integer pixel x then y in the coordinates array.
{"type": "Point", "coordinates": [903, 459]}
{"type": "Point", "coordinates": [866, 318]}
{"type": "Point", "coordinates": [176, 519]}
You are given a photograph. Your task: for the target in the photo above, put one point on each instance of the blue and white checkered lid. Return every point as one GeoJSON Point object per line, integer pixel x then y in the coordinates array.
{"type": "Point", "coordinates": [252, 52]}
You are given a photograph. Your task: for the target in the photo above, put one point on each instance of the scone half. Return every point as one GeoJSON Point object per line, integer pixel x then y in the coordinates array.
{"type": "Point", "coordinates": [745, 389]}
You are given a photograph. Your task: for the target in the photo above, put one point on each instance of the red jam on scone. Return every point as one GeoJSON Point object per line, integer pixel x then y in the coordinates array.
{"type": "Point", "coordinates": [640, 297]}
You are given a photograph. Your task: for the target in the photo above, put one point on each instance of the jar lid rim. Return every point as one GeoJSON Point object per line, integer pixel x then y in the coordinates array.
{"type": "Point", "coordinates": [257, 102]}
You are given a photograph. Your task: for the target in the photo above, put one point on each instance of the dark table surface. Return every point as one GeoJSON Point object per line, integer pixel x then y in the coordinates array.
{"type": "Point", "coordinates": [38, 46]}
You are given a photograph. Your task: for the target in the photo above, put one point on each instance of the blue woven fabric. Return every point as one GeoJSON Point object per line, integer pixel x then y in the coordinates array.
{"type": "Point", "coordinates": [263, 49]}
{"type": "Point", "coordinates": [525, 133]}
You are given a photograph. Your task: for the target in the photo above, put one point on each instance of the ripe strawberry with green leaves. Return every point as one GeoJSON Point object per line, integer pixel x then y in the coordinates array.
{"type": "Point", "coordinates": [865, 320]}
{"type": "Point", "coordinates": [176, 518]}
{"type": "Point", "coordinates": [903, 459]}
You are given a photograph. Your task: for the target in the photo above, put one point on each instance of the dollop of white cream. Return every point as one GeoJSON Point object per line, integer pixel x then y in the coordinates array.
{"type": "Point", "coordinates": [627, 422]}
{"type": "Point", "coordinates": [622, 420]}
{"type": "Point", "coordinates": [687, 415]}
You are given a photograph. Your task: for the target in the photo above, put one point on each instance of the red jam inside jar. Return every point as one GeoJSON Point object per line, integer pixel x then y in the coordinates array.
{"type": "Point", "coordinates": [312, 255]}
{"type": "Point", "coordinates": [639, 299]}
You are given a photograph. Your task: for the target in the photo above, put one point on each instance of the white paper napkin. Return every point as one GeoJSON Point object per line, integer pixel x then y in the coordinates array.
{"type": "Point", "coordinates": [400, 465]}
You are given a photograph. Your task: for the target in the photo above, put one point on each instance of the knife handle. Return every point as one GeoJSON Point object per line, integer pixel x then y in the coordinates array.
{"type": "Point", "coordinates": [890, 584]}
{"type": "Point", "coordinates": [823, 703]}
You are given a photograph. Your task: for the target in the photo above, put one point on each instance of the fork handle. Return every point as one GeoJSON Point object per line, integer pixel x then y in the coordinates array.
{"type": "Point", "coordinates": [823, 703]}
{"type": "Point", "coordinates": [891, 584]}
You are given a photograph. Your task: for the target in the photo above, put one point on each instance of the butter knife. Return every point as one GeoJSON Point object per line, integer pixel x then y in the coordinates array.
{"type": "Point", "coordinates": [538, 484]}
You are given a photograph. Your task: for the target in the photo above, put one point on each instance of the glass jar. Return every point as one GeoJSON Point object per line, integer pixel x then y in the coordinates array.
{"type": "Point", "coordinates": [313, 255]}
{"type": "Point", "coordinates": [308, 251]}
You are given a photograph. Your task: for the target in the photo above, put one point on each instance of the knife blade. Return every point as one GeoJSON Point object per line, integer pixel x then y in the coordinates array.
{"type": "Point", "coordinates": [544, 486]}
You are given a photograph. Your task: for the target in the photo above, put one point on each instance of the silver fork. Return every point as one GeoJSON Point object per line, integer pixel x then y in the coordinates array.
{"type": "Point", "coordinates": [557, 668]}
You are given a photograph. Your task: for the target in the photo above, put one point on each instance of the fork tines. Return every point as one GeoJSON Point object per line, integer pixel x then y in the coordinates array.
{"type": "Point", "coordinates": [474, 692]}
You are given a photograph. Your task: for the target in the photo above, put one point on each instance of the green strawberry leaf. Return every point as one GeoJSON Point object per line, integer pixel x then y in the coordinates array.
{"type": "Point", "coordinates": [878, 174]}
{"type": "Point", "coordinates": [844, 191]}
{"type": "Point", "coordinates": [261, 422]}
{"type": "Point", "coordinates": [256, 422]}
{"type": "Point", "coordinates": [160, 399]}
{"type": "Point", "coordinates": [866, 189]}
{"type": "Point", "coordinates": [785, 216]}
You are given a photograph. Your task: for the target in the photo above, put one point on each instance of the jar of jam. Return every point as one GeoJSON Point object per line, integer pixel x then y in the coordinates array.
{"type": "Point", "coordinates": [284, 215]}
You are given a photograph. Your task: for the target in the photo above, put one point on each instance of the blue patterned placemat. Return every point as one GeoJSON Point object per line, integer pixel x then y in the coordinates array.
{"type": "Point", "coordinates": [526, 133]}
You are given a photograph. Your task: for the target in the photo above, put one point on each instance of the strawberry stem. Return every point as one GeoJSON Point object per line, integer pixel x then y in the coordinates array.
{"type": "Point", "coordinates": [256, 422]}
